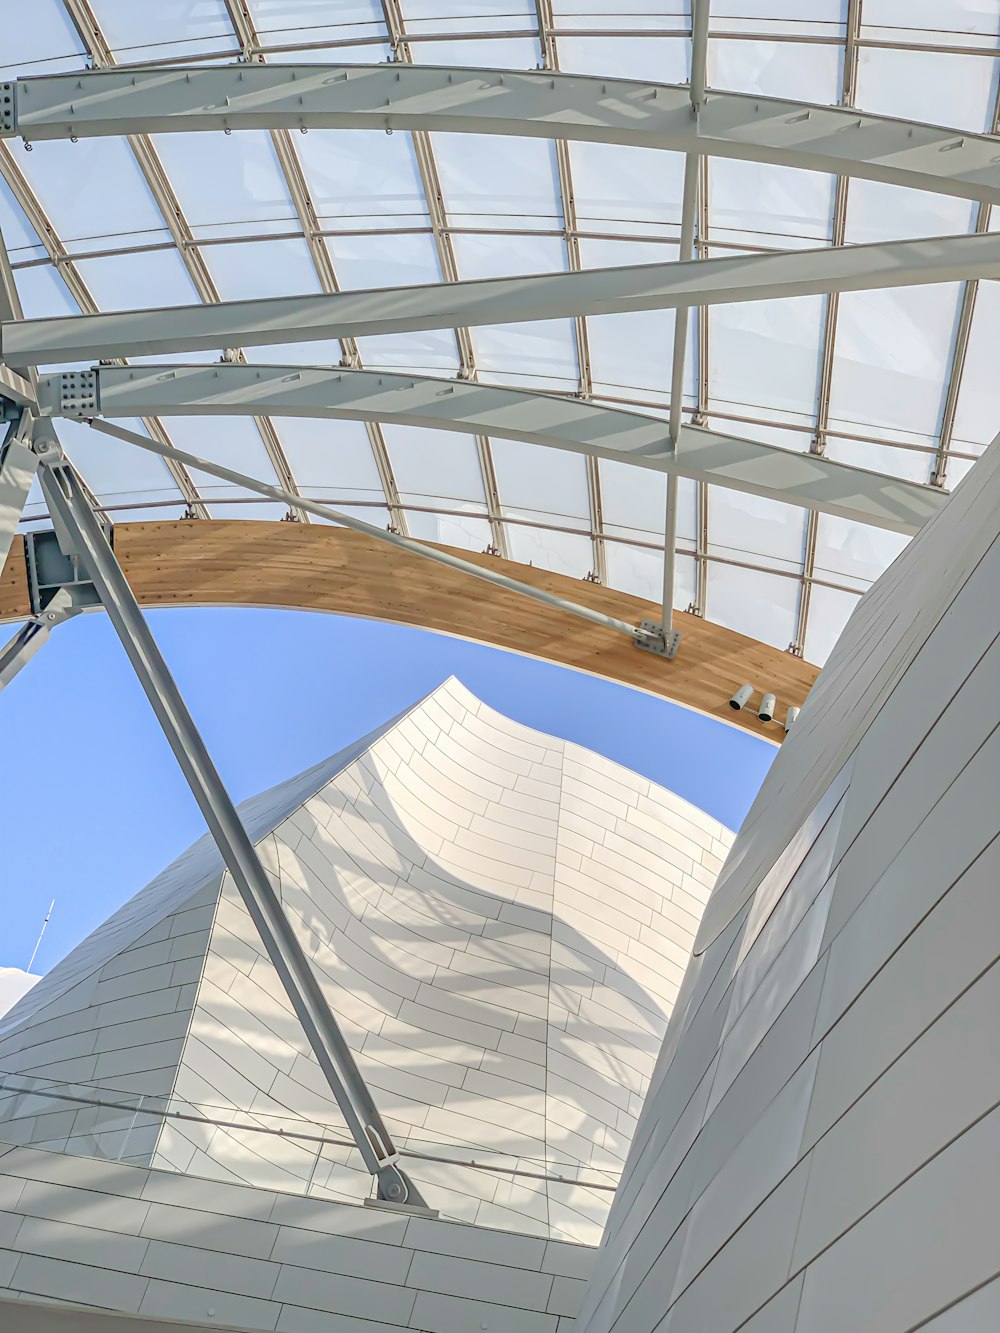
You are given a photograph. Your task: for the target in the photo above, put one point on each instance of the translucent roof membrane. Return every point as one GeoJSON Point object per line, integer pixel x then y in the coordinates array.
{"type": "Point", "coordinates": [880, 380]}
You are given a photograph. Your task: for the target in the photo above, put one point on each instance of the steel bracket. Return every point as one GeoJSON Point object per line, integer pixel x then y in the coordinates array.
{"type": "Point", "coordinates": [53, 576]}
{"type": "Point", "coordinates": [651, 639]}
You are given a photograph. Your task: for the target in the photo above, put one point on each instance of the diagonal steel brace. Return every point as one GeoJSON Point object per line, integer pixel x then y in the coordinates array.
{"type": "Point", "coordinates": [19, 651]}
{"type": "Point", "coordinates": [72, 515]}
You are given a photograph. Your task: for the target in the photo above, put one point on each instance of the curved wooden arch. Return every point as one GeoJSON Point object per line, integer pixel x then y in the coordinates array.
{"type": "Point", "coordinates": [316, 568]}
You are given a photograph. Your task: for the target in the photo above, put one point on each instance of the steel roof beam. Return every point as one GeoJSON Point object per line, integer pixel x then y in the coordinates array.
{"type": "Point", "coordinates": [540, 104]}
{"type": "Point", "coordinates": [475, 409]}
{"type": "Point", "coordinates": [500, 300]}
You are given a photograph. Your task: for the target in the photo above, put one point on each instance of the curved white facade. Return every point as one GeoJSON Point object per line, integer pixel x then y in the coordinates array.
{"type": "Point", "coordinates": [819, 1150]}
{"type": "Point", "coordinates": [500, 920]}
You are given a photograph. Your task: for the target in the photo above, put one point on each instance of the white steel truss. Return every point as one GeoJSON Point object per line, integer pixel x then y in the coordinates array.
{"type": "Point", "coordinates": [604, 291]}
{"type": "Point", "coordinates": [834, 139]}
{"type": "Point", "coordinates": [550, 420]}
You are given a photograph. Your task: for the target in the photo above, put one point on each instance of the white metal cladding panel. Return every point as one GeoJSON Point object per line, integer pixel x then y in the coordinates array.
{"type": "Point", "coordinates": [440, 892]}
{"type": "Point", "coordinates": [500, 921]}
{"type": "Point", "coordinates": [129, 1240]}
{"type": "Point", "coordinates": [120, 1029]}
{"type": "Point", "coordinates": [815, 1147]}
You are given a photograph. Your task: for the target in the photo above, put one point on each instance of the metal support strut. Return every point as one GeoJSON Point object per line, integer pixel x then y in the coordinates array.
{"type": "Point", "coordinates": [79, 527]}
{"type": "Point", "coordinates": [19, 650]}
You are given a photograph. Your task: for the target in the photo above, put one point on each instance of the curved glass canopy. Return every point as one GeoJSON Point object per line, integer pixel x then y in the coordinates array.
{"type": "Point", "coordinates": [899, 381]}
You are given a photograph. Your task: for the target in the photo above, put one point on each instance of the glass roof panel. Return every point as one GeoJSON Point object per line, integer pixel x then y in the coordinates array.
{"type": "Point", "coordinates": [639, 571]}
{"type": "Point", "coordinates": [633, 505]}
{"type": "Point", "coordinates": [465, 531]}
{"type": "Point", "coordinates": [633, 502]}
{"type": "Point", "coordinates": [384, 259]}
{"type": "Point", "coordinates": [307, 22]}
{"type": "Point", "coordinates": [563, 552]}
{"type": "Point", "coordinates": [118, 473]}
{"type": "Point", "coordinates": [167, 30]}
{"type": "Point", "coordinates": [434, 352]}
{"type": "Point", "coordinates": [42, 41]}
{"type": "Point", "coordinates": [546, 481]}
{"type": "Point", "coordinates": [877, 212]}
{"type": "Point", "coordinates": [913, 464]}
{"type": "Point", "coordinates": [249, 270]}
{"type": "Point", "coordinates": [489, 53]}
{"type": "Point", "coordinates": [233, 442]}
{"type": "Point", "coordinates": [658, 15]}
{"type": "Point", "coordinates": [752, 526]}
{"type": "Point", "coordinates": [73, 183]}
{"type": "Point", "coordinates": [631, 355]}
{"type": "Point", "coordinates": [330, 459]}
{"type": "Point", "coordinates": [763, 606]}
{"type": "Point", "coordinates": [627, 191]}
{"type": "Point", "coordinates": [435, 466]}
{"type": "Point", "coordinates": [533, 354]}
{"type": "Point", "coordinates": [853, 553]}
{"type": "Point", "coordinates": [805, 72]}
{"type": "Point", "coordinates": [359, 180]}
{"type": "Point", "coordinates": [43, 293]}
{"type": "Point", "coordinates": [19, 235]}
{"type": "Point", "coordinates": [962, 21]}
{"type": "Point", "coordinates": [892, 358]}
{"type": "Point", "coordinates": [476, 16]}
{"type": "Point", "coordinates": [766, 355]}
{"type": "Point", "coordinates": [488, 177]}
{"type": "Point", "coordinates": [931, 86]}
{"type": "Point", "coordinates": [829, 611]}
{"type": "Point", "coordinates": [128, 281]}
{"type": "Point", "coordinates": [777, 13]}
{"type": "Point", "coordinates": [752, 203]}
{"type": "Point", "coordinates": [228, 184]}
{"type": "Point", "coordinates": [374, 514]}
{"type": "Point", "coordinates": [659, 59]}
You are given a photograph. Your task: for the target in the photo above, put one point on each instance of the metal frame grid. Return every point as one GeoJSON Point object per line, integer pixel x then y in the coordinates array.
{"type": "Point", "coordinates": [252, 46]}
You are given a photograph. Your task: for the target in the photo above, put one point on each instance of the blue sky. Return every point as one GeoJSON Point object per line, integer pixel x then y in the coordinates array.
{"type": "Point", "coordinates": [94, 805]}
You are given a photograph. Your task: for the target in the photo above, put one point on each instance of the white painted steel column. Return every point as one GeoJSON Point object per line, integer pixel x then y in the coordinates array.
{"type": "Point", "coordinates": [689, 212]}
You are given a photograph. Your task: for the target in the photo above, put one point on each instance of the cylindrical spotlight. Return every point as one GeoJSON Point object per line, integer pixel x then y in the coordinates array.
{"type": "Point", "coordinates": [766, 710]}
{"type": "Point", "coordinates": [741, 698]}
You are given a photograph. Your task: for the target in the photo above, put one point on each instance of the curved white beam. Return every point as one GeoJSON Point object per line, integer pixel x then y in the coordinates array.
{"type": "Point", "coordinates": [537, 104]}
{"type": "Point", "coordinates": [600, 291]}
{"type": "Point", "coordinates": [807, 480]}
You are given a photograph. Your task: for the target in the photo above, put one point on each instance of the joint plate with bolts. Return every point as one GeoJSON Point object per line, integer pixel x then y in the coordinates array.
{"type": "Point", "coordinates": [652, 638]}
